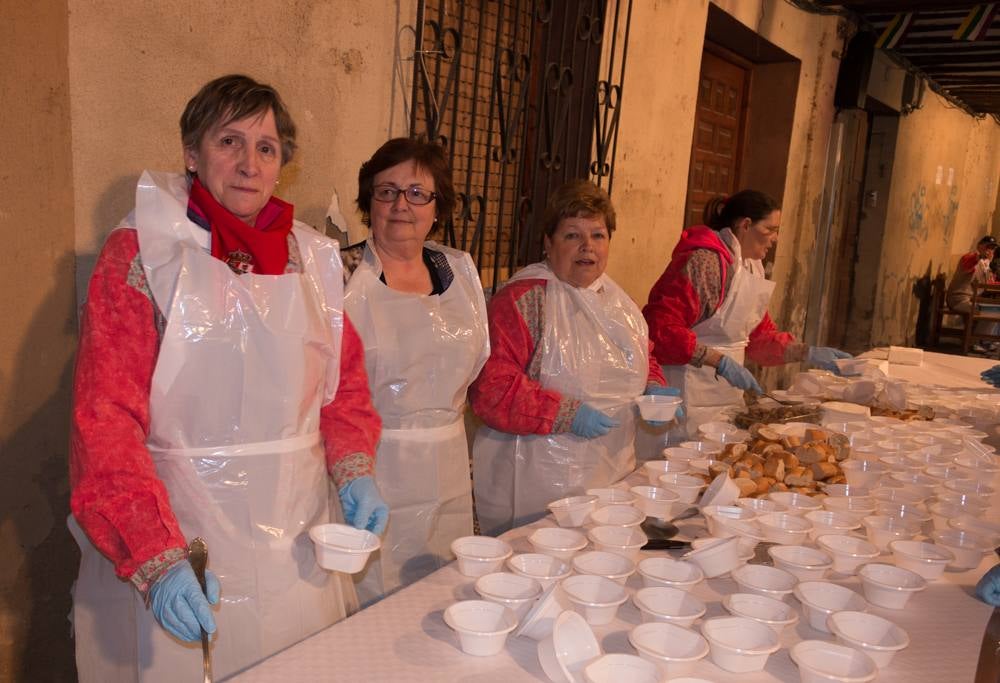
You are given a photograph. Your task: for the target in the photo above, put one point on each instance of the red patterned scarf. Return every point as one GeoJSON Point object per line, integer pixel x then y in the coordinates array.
{"type": "Point", "coordinates": [261, 249]}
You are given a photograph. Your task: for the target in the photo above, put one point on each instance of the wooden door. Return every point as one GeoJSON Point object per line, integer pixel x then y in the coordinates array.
{"type": "Point", "coordinates": [720, 118]}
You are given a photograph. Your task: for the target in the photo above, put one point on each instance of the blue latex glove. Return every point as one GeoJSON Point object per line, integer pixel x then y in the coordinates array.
{"type": "Point", "coordinates": [660, 390]}
{"type": "Point", "coordinates": [992, 376]}
{"type": "Point", "coordinates": [988, 588]}
{"type": "Point", "coordinates": [823, 357]}
{"type": "Point", "coordinates": [590, 422]}
{"type": "Point", "coordinates": [179, 605]}
{"type": "Point", "coordinates": [363, 506]}
{"type": "Point", "coordinates": [737, 375]}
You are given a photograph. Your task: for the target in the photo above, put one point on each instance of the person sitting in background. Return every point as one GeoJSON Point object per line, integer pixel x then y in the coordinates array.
{"type": "Point", "coordinates": [974, 268]}
{"type": "Point", "coordinates": [569, 353]}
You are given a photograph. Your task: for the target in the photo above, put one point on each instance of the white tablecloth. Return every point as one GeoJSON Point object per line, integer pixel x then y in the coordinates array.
{"type": "Point", "coordinates": [404, 637]}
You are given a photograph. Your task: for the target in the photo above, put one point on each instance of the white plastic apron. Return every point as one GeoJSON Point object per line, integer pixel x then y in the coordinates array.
{"type": "Point", "coordinates": [422, 353]}
{"type": "Point", "coordinates": [244, 366]}
{"type": "Point", "coordinates": [595, 347]}
{"type": "Point", "coordinates": [706, 397]}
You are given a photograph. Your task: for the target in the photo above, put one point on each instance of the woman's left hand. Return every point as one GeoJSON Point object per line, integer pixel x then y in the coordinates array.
{"type": "Point", "coordinates": [660, 390]}
{"type": "Point", "coordinates": [824, 356]}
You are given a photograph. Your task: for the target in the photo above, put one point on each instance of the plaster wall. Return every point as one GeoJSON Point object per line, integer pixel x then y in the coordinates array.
{"type": "Point", "coordinates": [133, 67]}
{"type": "Point", "coordinates": [942, 199]}
{"type": "Point", "coordinates": [37, 341]}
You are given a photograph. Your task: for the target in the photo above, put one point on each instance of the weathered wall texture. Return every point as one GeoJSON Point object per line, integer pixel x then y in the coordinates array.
{"type": "Point", "coordinates": [37, 340]}
{"type": "Point", "coordinates": [133, 66]}
{"type": "Point", "coordinates": [654, 144]}
{"type": "Point", "coordinates": [942, 199]}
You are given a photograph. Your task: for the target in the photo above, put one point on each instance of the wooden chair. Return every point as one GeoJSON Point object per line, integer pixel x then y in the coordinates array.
{"type": "Point", "coordinates": [939, 309]}
{"type": "Point", "coordinates": [984, 315]}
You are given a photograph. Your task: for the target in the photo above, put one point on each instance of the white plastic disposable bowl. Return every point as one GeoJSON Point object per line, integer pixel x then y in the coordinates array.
{"type": "Point", "coordinates": [625, 541]}
{"type": "Point", "coordinates": [973, 487]}
{"type": "Point", "coordinates": [806, 564]}
{"type": "Point", "coordinates": [974, 505]}
{"type": "Point", "coordinates": [775, 613]}
{"type": "Point", "coordinates": [844, 490]}
{"type": "Point", "coordinates": [831, 522]}
{"type": "Point", "coordinates": [764, 580]}
{"type": "Point", "coordinates": [704, 465]}
{"type": "Point", "coordinates": [654, 468]}
{"type": "Point", "coordinates": [914, 481]}
{"type": "Point", "coordinates": [943, 473]}
{"type": "Point", "coordinates": [926, 559]}
{"type": "Point", "coordinates": [666, 571]}
{"type": "Point", "coordinates": [601, 563]}
{"type": "Point", "coordinates": [342, 548]}
{"type": "Point", "coordinates": [848, 552]}
{"type": "Point", "coordinates": [712, 430]}
{"type": "Point", "coordinates": [883, 529]}
{"type": "Point", "coordinates": [686, 486]}
{"type": "Point", "coordinates": [655, 408]}
{"type": "Point", "coordinates": [761, 506]}
{"type": "Point", "coordinates": [865, 473]}
{"type": "Point", "coordinates": [738, 644]}
{"type": "Point", "coordinates": [823, 662]}
{"type": "Point", "coordinates": [482, 625]}
{"type": "Point", "coordinates": [541, 616]}
{"type": "Point", "coordinates": [568, 649]}
{"type": "Point", "coordinates": [942, 513]}
{"type": "Point", "coordinates": [797, 503]}
{"type": "Point", "coordinates": [912, 514]}
{"type": "Point", "coordinates": [721, 491]}
{"type": "Point", "coordinates": [655, 501]}
{"type": "Point", "coordinates": [878, 638]}
{"type": "Point", "coordinates": [611, 496]}
{"type": "Point", "coordinates": [674, 648]}
{"type": "Point", "coordinates": [544, 569]}
{"type": "Point", "coordinates": [784, 528]}
{"type": "Point", "coordinates": [716, 558]}
{"type": "Point", "coordinates": [820, 599]}
{"type": "Point", "coordinates": [672, 605]}
{"type": "Point", "coordinates": [904, 495]}
{"type": "Point", "coordinates": [685, 453]}
{"type": "Point", "coordinates": [967, 547]}
{"type": "Point", "coordinates": [617, 515]}
{"type": "Point", "coordinates": [479, 555]}
{"type": "Point", "coordinates": [855, 507]}
{"type": "Point", "coordinates": [615, 668]}
{"type": "Point", "coordinates": [573, 511]}
{"type": "Point", "coordinates": [888, 586]}
{"type": "Point", "coordinates": [509, 590]}
{"type": "Point", "coordinates": [980, 527]}
{"type": "Point", "coordinates": [724, 521]}
{"type": "Point", "coordinates": [596, 598]}
{"type": "Point", "coordinates": [705, 447]}
{"type": "Point", "coordinates": [559, 542]}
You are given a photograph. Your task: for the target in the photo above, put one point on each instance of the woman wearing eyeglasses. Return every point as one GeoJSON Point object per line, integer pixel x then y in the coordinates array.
{"type": "Point", "coordinates": [420, 311]}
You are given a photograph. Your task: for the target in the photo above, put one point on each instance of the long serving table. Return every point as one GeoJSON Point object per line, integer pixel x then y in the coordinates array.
{"type": "Point", "coordinates": [404, 637]}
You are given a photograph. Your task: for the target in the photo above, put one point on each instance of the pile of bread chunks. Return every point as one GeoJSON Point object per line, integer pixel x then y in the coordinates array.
{"type": "Point", "coordinates": [770, 461]}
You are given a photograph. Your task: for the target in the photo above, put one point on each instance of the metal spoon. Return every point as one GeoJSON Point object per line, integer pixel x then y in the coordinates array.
{"type": "Point", "coordinates": [198, 557]}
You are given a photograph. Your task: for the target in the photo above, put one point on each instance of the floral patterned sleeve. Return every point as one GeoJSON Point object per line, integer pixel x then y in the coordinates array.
{"type": "Point", "coordinates": [507, 394]}
{"type": "Point", "coordinates": [116, 496]}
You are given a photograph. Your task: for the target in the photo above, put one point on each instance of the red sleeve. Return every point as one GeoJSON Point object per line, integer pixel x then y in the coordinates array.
{"type": "Point", "coordinates": [967, 264]}
{"type": "Point", "coordinates": [672, 311]}
{"type": "Point", "coordinates": [767, 345]}
{"type": "Point", "coordinates": [349, 423]}
{"type": "Point", "coordinates": [116, 495]}
{"type": "Point", "coordinates": [656, 375]}
{"type": "Point", "coordinates": [503, 395]}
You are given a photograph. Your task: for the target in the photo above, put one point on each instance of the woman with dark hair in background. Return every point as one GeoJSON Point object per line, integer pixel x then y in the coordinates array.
{"type": "Point", "coordinates": [420, 311]}
{"type": "Point", "coordinates": [218, 388]}
{"type": "Point", "coordinates": [708, 311]}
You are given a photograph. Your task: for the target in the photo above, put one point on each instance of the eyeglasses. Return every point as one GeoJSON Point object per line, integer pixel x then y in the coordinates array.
{"type": "Point", "coordinates": [413, 195]}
